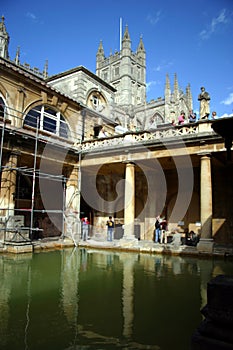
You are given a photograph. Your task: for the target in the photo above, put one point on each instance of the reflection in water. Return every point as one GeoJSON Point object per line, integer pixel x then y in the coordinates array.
{"type": "Point", "coordinates": [127, 293]}
{"type": "Point", "coordinates": [28, 294]}
{"type": "Point", "coordinates": [87, 299]}
{"type": "Point", "coordinates": [69, 288]}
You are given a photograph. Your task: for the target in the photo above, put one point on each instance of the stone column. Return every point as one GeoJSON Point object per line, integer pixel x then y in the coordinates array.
{"type": "Point", "coordinates": [206, 241]}
{"type": "Point", "coordinates": [72, 204]}
{"type": "Point", "coordinates": [72, 195]}
{"type": "Point", "coordinates": [8, 185]}
{"type": "Point", "coordinates": [129, 211]}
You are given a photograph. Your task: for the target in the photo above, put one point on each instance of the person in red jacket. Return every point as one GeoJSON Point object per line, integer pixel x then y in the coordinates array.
{"type": "Point", "coordinates": [85, 228]}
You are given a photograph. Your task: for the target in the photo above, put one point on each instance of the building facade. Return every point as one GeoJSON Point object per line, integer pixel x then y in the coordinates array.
{"type": "Point", "coordinates": [56, 169]}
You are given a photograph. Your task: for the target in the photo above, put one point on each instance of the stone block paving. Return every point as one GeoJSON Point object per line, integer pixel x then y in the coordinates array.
{"type": "Point", "coordinates": [141, 246]}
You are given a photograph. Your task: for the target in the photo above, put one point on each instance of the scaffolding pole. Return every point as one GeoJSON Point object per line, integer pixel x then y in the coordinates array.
{"type": "Point", "coordinates": [79, 193]}
{"type": "Point", "coordinates": [2, 138]}
{"type": "Point", "coordinates": [63, 205]}
{"type": "Point", "coordinates": [34, 179]}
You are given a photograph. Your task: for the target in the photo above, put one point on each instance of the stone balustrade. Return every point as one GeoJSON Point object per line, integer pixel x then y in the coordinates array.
{"type": "Point", "coordinates": [147, 136]}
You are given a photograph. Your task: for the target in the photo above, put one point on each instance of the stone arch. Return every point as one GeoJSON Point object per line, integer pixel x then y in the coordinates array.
{"type": "Point", "coordinates": [4, 103]}
{"type": "Point", "coordinates": [2, 107]}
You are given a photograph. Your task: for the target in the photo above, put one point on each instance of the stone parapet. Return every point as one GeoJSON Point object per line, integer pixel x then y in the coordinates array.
{"type": "Point", "coordinates": [19, 248]}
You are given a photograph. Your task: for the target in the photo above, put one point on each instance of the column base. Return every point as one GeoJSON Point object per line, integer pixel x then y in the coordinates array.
{"type": "Point", "coordinates": [128, 238]}
{"type": "Point", "coordinates": [205, 245]}
{"type": "Point", "coordinates": [128, 242]}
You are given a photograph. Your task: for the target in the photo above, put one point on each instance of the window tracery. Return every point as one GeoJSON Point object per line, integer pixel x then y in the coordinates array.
{"type": "Point", "coordinates": [48, 120]}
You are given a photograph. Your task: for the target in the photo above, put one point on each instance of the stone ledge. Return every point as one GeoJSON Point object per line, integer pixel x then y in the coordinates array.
{"type": "Point", "coordinates": [18, 249]}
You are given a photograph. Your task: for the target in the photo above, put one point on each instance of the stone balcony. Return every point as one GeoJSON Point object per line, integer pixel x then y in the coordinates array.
{"type": "Point", "coordinates": [167, 133]}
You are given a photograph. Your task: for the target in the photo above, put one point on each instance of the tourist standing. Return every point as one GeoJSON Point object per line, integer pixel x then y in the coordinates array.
{"type": "Point", "coordinates": [85, 228]}
{"type": "Point", "coordinates": [181, 118]}
{"type": "Point", "coordinates": [192, 117]}
{"type": "Point", "coordinates": [157, 229]}
{"type": "Point", "coordinates": [214, 115]}
{"type": "Point", "coordinates": [164, 229]}
{"type": "Point", "coordinates": [110, 229]}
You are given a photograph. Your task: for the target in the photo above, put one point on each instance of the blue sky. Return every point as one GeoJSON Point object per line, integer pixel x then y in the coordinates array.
{"type": "Point", "coordinates": [193, 39]}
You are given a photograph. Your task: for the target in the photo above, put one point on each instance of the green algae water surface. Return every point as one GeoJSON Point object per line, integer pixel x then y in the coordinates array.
{"type": "Point", "coordinates": [78, 299]}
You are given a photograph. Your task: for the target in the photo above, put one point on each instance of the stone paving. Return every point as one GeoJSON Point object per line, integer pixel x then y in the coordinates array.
{"type": "Point", "coordinates": [141, 246]}
{"type": "Point", "coordinates": [155, 248]}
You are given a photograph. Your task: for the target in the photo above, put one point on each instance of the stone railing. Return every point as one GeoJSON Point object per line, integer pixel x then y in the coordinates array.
{"type": "Point", "coordinates": [135, 138]}
{"type": "Point", "coordinates": [147, 136]}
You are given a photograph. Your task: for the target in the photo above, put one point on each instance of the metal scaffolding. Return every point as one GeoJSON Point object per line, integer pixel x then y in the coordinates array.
{"type": "Point", "coordinates": [12, 129]}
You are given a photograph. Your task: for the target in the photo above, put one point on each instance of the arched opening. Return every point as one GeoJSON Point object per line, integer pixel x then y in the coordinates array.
{"type": "Point", "coordinates": [2, 107]}
{"type": "Point", "coordinates": [154, 121]}
{"type": "Point", "coordinates": [47, 119]}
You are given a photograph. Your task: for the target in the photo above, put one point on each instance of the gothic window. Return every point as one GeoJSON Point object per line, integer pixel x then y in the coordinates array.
{"type": "Point", "coordinates": [48, 120]}
{"type": "Point", "coordinates": [158, 118]}
{"type": "Point", "coordinates": [105, 75]}
{"type": "Point", "coordinates": [155, 120]}
{"type": "Point", "coordinates": [116, 71]}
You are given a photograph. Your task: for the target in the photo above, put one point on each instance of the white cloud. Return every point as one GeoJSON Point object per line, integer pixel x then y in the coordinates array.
{"type": "Point", "coordinates": [215, 23]}
{"type": "Point", "coordinates": [164, 65]}
{"type": "Point", "coordinates": [150, 84]}
{"type": "Point", "coordinates": [228, 100]}
{"type": "Point", "coordinates": [225, 115]}
{"type": "Point", "coordinates": [153, 19]}
{"type": "Point", "coordinates": [31, 16]}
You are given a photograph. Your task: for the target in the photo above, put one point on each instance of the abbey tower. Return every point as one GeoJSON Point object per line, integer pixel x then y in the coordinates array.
{"type": "Point", "coordinates": [125, 71]}
{"type": "Point", "coordinates": [118, 89]}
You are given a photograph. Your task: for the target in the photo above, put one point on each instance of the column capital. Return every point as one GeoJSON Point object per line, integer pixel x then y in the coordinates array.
{"type": "Point", "coordinates": [204, 154]}
{"type": "Point", "coordinates": [128, 162]}
{"type": "Point", "coordinates": [15, 152]}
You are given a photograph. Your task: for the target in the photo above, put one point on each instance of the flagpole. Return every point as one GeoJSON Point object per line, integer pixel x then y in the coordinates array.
{"type": "Point", "coordinates": [120, 32]}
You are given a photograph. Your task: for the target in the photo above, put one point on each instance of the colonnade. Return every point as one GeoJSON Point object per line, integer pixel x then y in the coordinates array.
{"type": "Point", "coordinates": [8, 188]}
{"type": "Point", "coordinates": [206, 210]}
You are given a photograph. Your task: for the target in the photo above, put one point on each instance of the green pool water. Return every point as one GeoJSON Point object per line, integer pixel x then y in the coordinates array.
{"type": "Point", "coordinates": [86, 299]}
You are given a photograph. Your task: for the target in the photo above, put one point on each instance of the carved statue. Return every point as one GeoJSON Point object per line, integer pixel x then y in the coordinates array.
{"type": "Point", "coordinates": [204, 99]}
